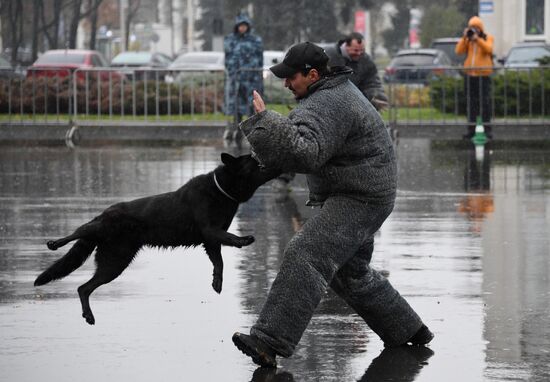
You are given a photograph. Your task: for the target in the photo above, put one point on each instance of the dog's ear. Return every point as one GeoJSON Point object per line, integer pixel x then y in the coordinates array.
{"type": "Point", "coordinates": [228, 159]}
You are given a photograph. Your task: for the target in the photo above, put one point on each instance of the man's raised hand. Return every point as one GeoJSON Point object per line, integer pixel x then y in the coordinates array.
{"type": "Point", "coordinates": [258, 102]}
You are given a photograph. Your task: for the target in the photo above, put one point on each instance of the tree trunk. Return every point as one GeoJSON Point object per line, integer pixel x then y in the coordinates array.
{"type": "Point", "coordinates": [15, 10]}
{"type": "Point", "coordinates": [56, 19]}
{"type": "Point", "coordinates": [73, 29]}
{"type": "Point", "coordinates": [35, 14]}
{"type": "Point", "coordinates": [51, 28]}
{"type": "Point", "coordinates": [94, 4]}
{"type": "Point", "coordinates": [133, 7]}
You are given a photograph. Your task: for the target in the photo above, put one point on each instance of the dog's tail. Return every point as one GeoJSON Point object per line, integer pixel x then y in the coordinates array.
{"type": "Point", "coordinates": [76, 256]}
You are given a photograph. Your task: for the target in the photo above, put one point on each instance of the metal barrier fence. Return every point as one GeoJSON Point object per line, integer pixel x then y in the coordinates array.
{"type": "Point", "coordinates": [418, 96]}
{"type": "Point", "coordinates": [146, 93]}
{"type": "Point", "coordinates": [441, 96]}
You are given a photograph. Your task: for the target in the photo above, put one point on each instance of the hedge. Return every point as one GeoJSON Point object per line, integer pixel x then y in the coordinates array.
{"type": "Point", "coordinates": [515, 92]}
{"type": "Point", "coordinates": [52, 95]}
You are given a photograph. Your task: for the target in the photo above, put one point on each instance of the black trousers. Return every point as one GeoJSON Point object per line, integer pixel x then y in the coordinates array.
{"type": "Point", "coordinates": [478, 101]}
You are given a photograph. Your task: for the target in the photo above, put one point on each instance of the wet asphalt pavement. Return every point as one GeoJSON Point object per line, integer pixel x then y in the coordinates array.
{"type": "Point", "coordinates": [468, 245]}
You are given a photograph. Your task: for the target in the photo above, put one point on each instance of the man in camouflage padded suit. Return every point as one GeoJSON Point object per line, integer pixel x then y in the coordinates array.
{"type": "Point", "coordinates": [244, 62]}
{"type": "Point", "coordinates": [336, 137]}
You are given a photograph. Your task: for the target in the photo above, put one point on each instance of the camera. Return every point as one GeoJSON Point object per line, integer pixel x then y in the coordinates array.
{"type": "Point", "coordinates": [470, 32]}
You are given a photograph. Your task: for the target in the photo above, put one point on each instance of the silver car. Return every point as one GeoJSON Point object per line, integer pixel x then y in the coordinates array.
{"type": "Point", "coordinates": [196, 63]}
{"type": "Point", "coordinates": [526, 54]}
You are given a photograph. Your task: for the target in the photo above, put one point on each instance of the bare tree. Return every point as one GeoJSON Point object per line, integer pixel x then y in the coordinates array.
{"type": "Point", "coordinates": [75, 12]}
{"type": "Point", "coordinates": [14, 11]}
{"type": "Point", "coordinates": [133, 8]}
{"type": "Point", "coordinates": [93, 6]}
{"type": "Point", "coordinates": [75, 20]}
{"type": "Point", "coordinates": [35, 26]}
{"type": "Point", "coordinates": [51, 28]}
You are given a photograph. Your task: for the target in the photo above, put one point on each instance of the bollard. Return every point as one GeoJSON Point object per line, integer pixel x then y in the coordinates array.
{"type": "Point", "coordinates": [479, 138]}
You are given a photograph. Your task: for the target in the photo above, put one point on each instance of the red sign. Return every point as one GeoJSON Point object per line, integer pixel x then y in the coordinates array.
{"type": "Point", "coordinates": [360, 22]}
{"type": "Point", "coordinates": [414, 41]}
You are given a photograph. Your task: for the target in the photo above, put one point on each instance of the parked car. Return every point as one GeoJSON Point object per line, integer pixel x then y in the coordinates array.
{"type": "Point", "coordinates": [418, 66]}
{"type": "Point", "coordinates": [447, 45]}
{"type": "Point", "coordinates": [201, 62]}
{"type": "Point", "coordinates": [129, 62]}
{"type": "Point", "coordinates": [136, 59]}
{"type": "Point", "coordinates": [526, 54]}
{"type": "Point", "coordinates": [63, 62]}
{"type": "Point", "coordinates": [9, 72]}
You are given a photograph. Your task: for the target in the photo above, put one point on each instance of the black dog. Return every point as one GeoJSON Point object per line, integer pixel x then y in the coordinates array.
{"type": "Point", "coordinates": [200, 212]}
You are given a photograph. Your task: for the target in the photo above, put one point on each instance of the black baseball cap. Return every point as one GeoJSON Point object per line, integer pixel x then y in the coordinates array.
{"type": "Point", "coordinates": [300, 57]}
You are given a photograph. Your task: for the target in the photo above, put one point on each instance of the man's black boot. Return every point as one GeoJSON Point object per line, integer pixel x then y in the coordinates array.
{"type": "Point", "coordinates": [255, 348]}
{"type": "Point", "coordinates": [422, 336]}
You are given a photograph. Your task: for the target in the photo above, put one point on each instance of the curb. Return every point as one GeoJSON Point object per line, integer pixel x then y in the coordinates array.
{"type": "Point", "coordinates": [111, 133]}
{"type": "Point", "coordinates": [202, 132]}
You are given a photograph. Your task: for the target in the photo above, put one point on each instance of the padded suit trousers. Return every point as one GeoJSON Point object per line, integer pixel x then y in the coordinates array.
{"type": "Point", "coordinates": [334, 248]}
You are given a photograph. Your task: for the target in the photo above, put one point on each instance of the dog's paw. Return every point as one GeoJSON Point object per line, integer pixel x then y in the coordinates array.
{"type": "Point", "coordinates": [89, 317]}
{"type": "Point", "coordinates": [244, 241]}
{"type": "Point", "coordinates": [217, 284]}
{"type": "Point", "coordinates": [51, 245]}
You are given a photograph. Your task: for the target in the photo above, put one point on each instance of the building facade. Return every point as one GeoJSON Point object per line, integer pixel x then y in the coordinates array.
{"type": "Point", "coordinates": [513, 21]}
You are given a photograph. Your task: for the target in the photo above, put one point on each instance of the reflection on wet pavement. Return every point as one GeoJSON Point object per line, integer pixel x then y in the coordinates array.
{"type": "Point", "coordinates": [467, 245]}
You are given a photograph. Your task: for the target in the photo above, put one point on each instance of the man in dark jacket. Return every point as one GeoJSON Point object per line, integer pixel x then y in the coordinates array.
{"type": "Point", "coordinates": [350, 52]}
{"type": "Point", "coordinates": [335, 137]}
{"type": "Point", "coordinates": [244, 63]}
